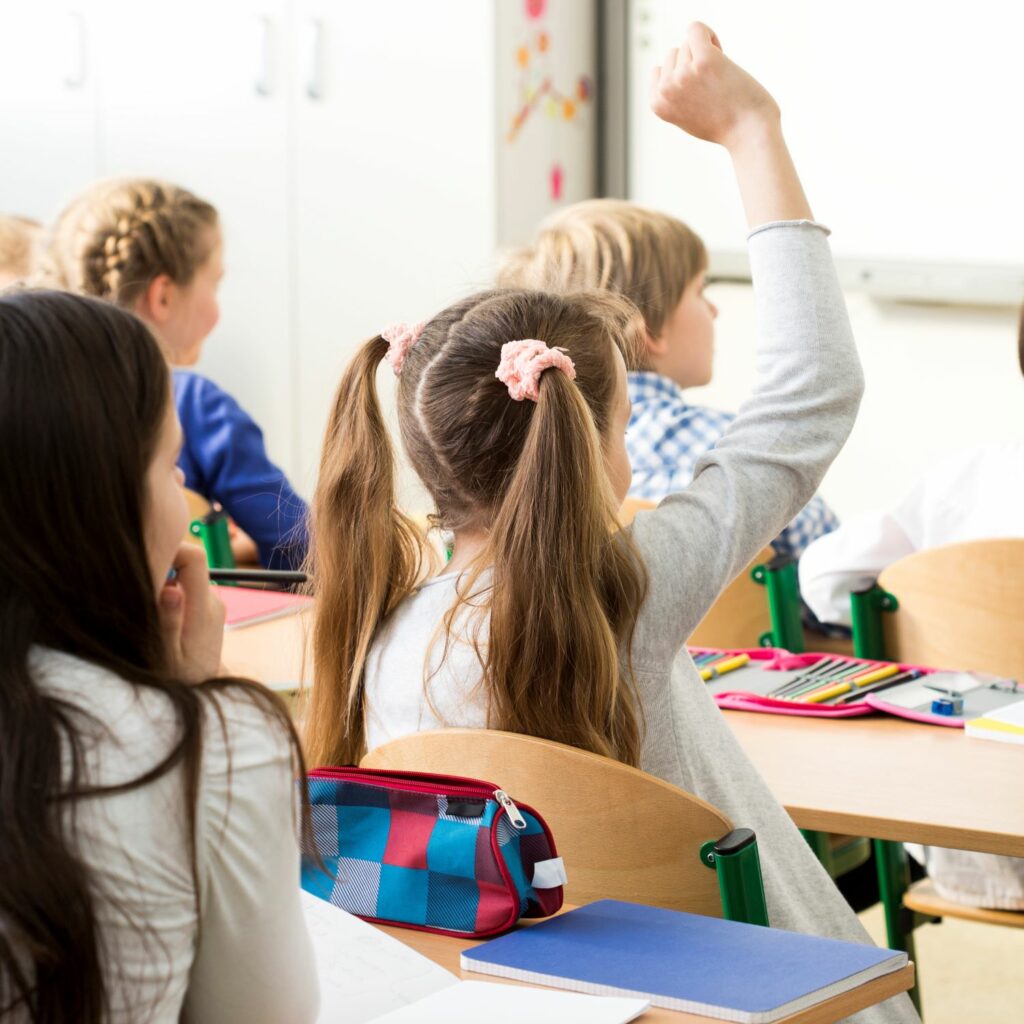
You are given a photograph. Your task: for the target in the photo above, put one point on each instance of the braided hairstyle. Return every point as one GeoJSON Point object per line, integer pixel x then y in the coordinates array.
{"type": "Point", "coordinates": [118, 235]}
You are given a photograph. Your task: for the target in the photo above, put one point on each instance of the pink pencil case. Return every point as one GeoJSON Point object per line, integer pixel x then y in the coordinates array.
{"type": "Point", "coordinates": [772, 659]}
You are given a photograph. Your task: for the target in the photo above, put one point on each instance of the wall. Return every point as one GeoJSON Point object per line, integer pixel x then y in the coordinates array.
{"type": "Point", "coordinates": [939, 378]}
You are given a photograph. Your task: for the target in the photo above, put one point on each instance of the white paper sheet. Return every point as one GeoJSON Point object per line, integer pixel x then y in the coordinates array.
{"type": "Point", "coordinates": [471, 1002]}
{"type": "Point", "coordinates": [363, 972]}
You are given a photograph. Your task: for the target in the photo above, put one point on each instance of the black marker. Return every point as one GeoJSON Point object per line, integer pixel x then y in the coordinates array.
{"type": "Point", "coordinates": [274, 577]}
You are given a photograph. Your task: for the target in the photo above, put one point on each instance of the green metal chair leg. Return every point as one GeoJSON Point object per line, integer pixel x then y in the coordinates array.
{"type": "Point", "coordinates": [735, 860]}
{"type": "Point", "coordinates": [893, 881]}
{"type": "Point", "coordinates": [780, 579]}
{"type": "Point", "coordinates": [819, 844]}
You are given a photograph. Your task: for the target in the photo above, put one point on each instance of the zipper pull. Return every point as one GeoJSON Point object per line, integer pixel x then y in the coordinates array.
{"type": "Point", "coordinates": [518, 821]}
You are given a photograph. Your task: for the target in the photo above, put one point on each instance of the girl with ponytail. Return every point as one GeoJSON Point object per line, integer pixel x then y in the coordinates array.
{"type": "Point", "coordinates": [549, 620]}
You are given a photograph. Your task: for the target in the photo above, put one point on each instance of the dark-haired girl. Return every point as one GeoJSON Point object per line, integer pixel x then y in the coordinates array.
{"type": "Point", "coordinates": [148, 850]}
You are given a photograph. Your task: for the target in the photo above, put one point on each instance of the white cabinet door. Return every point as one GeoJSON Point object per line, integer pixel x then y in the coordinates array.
{"type": "Point", "coordinates": [48, 75]}
{"type": "Point", "coordinates": [395, 196]}
{"type": "Point", "coordinates": [196, 93]}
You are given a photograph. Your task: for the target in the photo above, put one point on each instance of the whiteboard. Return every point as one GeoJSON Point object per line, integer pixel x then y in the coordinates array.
{"type": "Point", "coordinates": [904, 119]}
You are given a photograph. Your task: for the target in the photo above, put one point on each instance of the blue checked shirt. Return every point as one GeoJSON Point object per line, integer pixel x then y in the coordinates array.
{"type": "Point", "coordinates": [665, 438]}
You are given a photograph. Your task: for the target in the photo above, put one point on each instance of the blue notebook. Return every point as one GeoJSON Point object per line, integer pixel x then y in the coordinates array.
{"type": "Point", "coordinates": [737, 972]}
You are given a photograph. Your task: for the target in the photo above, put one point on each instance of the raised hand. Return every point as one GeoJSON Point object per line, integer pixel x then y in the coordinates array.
{"type": "Point", "coordinates": [697, 88]}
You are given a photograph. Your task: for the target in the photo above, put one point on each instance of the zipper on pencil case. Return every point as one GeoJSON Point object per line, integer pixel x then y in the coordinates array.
{"type": "Point", "coordinates": [436, 786]}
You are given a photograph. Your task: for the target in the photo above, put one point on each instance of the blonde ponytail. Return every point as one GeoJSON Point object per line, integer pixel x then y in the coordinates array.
{"type": "Point", "coordinates": [365, 556]}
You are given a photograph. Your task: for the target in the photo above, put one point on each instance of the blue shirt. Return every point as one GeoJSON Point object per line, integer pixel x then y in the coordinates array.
{"type": "Point", "coordinates": [224, 460]}
{"type": "Point", "coordinates": [665, 438]}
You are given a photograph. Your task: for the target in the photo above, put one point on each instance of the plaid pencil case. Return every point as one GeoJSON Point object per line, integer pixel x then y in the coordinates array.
{"type": "Point", "coordinates": [438, 853]}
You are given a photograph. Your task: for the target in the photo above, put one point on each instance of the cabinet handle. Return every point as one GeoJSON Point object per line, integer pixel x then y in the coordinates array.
{"type": "Point", "coordinates": [75, 78]}
{"type": "Point", "coordinates": [315, 58]}
{"type": "Point", "coordinates": [265, 62]}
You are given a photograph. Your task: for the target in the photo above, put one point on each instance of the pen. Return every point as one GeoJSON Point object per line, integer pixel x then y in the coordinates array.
{"type": "Point", "coordinates": [279, 578]}
{"type": "Point", "coordinates": [903, 677]}
{"type": "Point", "coordinates": [709, 656]}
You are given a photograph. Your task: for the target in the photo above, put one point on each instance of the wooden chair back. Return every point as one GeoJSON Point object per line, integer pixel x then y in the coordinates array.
{"type": "Point", "coordinates": [623, 834]}
{"type": "Point", "coordinates": [740, 615]}
{"type": "Point", "coordinates": [960, 607]}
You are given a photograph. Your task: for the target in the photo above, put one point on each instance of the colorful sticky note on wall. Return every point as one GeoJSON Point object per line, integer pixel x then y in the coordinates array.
{"type": "Point", "coordinates": [557, 179]}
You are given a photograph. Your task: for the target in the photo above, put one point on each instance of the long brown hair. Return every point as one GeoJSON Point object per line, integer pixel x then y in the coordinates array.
{"type": "Point", "coordinates": [560, 585]}
{"type": "Point", "coordinates": [612, 245]}
{"type": "Point", "coordinates": [118, 235]}
{"type": "Point", "coordinates": [83, 393]}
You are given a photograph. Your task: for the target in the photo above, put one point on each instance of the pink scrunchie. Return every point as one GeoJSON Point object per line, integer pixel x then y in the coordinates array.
{"type": "Point", "coordinates": [400, 338]}
{"type": "Point", "coordinates": [522, 363]}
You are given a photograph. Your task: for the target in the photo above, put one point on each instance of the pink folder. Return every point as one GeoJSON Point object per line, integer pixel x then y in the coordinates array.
{"type": "Point", "coordinates": [246, 607]}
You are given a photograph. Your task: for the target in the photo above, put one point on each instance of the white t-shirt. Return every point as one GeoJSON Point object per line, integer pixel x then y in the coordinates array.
{"type": "Point", "coordinates": [410, 685]}
{"type": "Point", "coordinates": [248, 957]}
{"type": "Point", "coordinates": [975, 495]}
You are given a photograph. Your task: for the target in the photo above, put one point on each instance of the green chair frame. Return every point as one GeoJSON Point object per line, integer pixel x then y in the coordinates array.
{"type": "Point", "coordinates": [212, 530]}
{"type": "Point", "coordinates": [867, 608]}
{"type": "Point", "coordinates": [780, 579]}
{"type": "Point", "coordinates": [735, 860]}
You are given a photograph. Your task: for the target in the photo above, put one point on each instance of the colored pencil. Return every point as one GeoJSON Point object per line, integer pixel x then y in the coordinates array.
{"type": "Point", "coordinates": [851, 684]}
{"type": "Point", "coordinates": [849, 672]}
{"type": "Point", "coordinates": [903, 677]}
{"type": "Point", "coordinates": [825, 666]}
{"type": "Point", "coordinates": [721, 667]}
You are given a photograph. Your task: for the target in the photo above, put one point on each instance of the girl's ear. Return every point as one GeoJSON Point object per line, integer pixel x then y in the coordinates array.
{"type": "Point", "coordinates": [156, 301]}
{"type": "Point", "coordinates": [654, 346]}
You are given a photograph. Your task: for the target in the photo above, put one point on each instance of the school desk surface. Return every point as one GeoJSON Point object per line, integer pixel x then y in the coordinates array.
{"type": "Point", "coordinates": [886, 778]}
{"type": "Point", "coordinates": [877, 776]}
{"type": "Point", "coordinates": [445, 950]}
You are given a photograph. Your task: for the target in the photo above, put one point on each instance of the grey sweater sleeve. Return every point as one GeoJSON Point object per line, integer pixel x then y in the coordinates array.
{"type": "Point", "coordinates": [771, 460]}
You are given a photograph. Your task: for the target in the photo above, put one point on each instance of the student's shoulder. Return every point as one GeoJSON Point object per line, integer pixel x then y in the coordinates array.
{"type": "Point", "coordinates": [125, 729]}
{"type": "Point", "coordinates": [242, 730]}
{"type": "Point", "coordinates": [134, 726]}
{"type": "Point", "coordinates": [248, 772]}
{"type": "Point", "coordinates": [656, 398]}
{"type": "Point", "coordinates": [198, 396]}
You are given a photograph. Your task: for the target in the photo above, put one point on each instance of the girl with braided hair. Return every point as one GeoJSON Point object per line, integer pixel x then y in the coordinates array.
{"type": "Point", "coordinates": [157, 250]}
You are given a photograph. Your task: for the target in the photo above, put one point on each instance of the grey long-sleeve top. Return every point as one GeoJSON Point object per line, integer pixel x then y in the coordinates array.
{"type": "Point", "coordinates": [744, 491]}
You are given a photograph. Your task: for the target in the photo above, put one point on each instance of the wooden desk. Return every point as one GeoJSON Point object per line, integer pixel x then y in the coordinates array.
{"type": "Point", "coordinates": [877, 776]}
{"type": "Point", "coordinates": [274, 652]}
{"type": "Point", "coordinates": [445, 951]}
{"type": "Point", "coordinates": [886, 778]}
